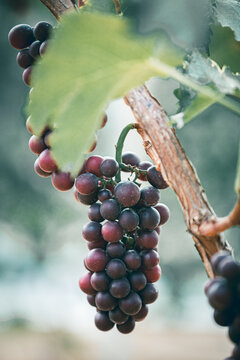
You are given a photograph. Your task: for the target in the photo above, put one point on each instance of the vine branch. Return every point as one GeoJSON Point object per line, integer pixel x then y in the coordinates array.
{"type": "Point", "coordinates": [162, 145]}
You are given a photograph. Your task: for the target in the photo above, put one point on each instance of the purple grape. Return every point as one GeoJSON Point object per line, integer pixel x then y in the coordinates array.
{"type": "Point", "coordinates": [127, 327]}
{"type": "Point", "coordinates": [149, 294]}
{"type": "Point", "coordinates": [224, 318]}
{"type": "Point", "coordinates": [144, 165]}
{"type": "Point", "coordinates": [24, 59]}
{"type": "Point", "coordinates": [116, 250]}
{"type": "Point", "coordinates": [94, 213]}
{"type": "Point", "coordinates": [127, 193]}
{"type": "Point", "coordinates": [85, 284]}
{"type": "Point", "coordinates": [103, 322]}
{"type": "Point", "coordinates": [100, 281]}
{"type": "Point", "coordinates": [164, 213]}
{"type": "Point", "coordinates": [129, 220]}
{"type": "Point", "coordinates": [109, 167]}
{"type": "Point", "coordinates": [34, 49]}
{"type": "Point", "coordinates": [116, 269]}
{"type": "Point", "coordinates": [229, 269]}
{"type": "Point", "coordinates": [42, 31]}
{"type": "Point", "coordinates": [150, 258]}
{"type": "Point", "coordinates": [117, 316]}
{"type": "Point", "coordinates": [27, 76]}
{"type": "Point", "coordinates": [112, 231]}
{"type": "Point", "coordinates": [129, 158]}
{"type": "Point", "coordinates": [92, 231]}
{"type": "Point", "coordinates": [132, 260]}
{"type": "Point", "coordinates": [110, 209]}
{"type": "Point", "coordinates": [96, 260]}
{"type": "Point", "coordinates": [141, 315]}
{"type": "Point", "coordinates": [86, 184]}
{"type": "Point", "coordinates": [21, 36]}
{"type": "Point", "coordinates": [104, 194]}
{"type": "Point", "coordinates": [97, 244]}
{"type": "Point", "coordinates": [91, 300]}
{"type": "Point", "coordinates": [147, 240]}
{"type": "Point", "coordinates": [131, 304]}
{"type": "Point", "coordinates": [86, 199]}
{"type": "Point", "coordinates": [62, 181]}
{"type": "Point", "coordinates": [119, 288]}
{"type": "Point", "coordinates": [220, 296]}
{"type": "Point", "coordinates": [105, 301]}
{"type": "Point", "coordinates": [234, 334]}
{"type": "Point", "coordinates": [137, 280]}
{"type": "Point", "coordinates": [155, 178]}
{"type": "Point", "coordinates": [149, 218]}
{"type": "Point", "coordinates": [150, 196]}
{"type": "Point", "coordinates": [217, 259]}
{"type": "Point", "coordinates": [93, 164]}
{"type": "Point", "coordinates": [43, 47]}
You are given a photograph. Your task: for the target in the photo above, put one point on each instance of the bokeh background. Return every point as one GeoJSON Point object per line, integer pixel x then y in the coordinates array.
{"type": "Point", "coordinates": [43, 314]}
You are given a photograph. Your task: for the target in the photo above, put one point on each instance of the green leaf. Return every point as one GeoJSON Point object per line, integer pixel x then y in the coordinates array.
{"type": "Point", "coordinates": [237, 181]}
{"type": "Point", "coordinates": [227, 13]}
{"type": "Point", "coordinates": [92, 60]}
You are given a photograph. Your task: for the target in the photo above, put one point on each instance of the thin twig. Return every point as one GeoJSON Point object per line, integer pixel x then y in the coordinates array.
{"type": "Point", "coordinates": [117, 6]}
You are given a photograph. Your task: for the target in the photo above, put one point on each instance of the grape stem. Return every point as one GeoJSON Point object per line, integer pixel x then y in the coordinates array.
{"type": "Point", "coordinates": [119, 148]}
{"type": "Point", "coordinates": [220, 224]}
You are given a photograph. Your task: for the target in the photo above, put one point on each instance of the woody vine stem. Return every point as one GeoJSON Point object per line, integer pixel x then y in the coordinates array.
{"type": "Point", "coordinates": [163, 147]}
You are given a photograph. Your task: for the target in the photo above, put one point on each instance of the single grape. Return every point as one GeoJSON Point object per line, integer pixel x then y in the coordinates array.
{"type": "Point", "coordinates": [149, 294]}
{"type": "Point", "coordinates": [137, 280]}
{"type": "Point", "coordinates": [100, 281]}
{"type": "Point", "coordinates": [220, 296]}
{"type": "Point", "coordinates": [164, 213]}
{"type": "Point", "coordinates": [62, 181]}
{"type": "Point", "coordinates": [155, 178]}
{"type": "Point", "coordinates": [119, 288]}
{"type": "Point", "coordinates": [217, 259]}
{"type": "Point", "coordinates": [36, 144]}
{"type": "Point", "coordinates": [93, 165]}
{"type": "Point", "coordinates": [46, 161]}
{"type": "Point", "coordinates": [42, 31]}
{"type": "Point", "coordinates": [127, 327]}
{"type": "Point", "coordinates": [39, 171]}
{"type": "Point", "coordinates": [86, 184]}
{"type": "Point", "coordinates": [112, 231]}
{"type": "Point", "coordinates": [117, 316]}
{"type": "Point", "coordinates": [105, 301]}
{"type": "Point", "coordinates": [210, 283]}
{"type": "Point", "coordinates": [141, 315]}
{"type": "Point", "coordinates": [150, 196]}
{"type": "Point", "coordinates": [97, 244]}
{"type": "Point", "coordinates": [109, 167]}
{"type": "Point", "coordinates": [144, 165]}
{"type": "Point", "coordinates": [94, 213]}
{"type": "Point", "coordinates": [147, 240]}
{"type": "Point", "coordinates": [131, 304]}
{"type": "Point", "coordinates": [102, 321]}
{"type": "Point", "coordinates": [153, 274]}
{"type": "Point", "coordinates": [129, 158]}
{"type": "Point", "coordinates": [91, 300]}
{"type": "Point", "coordinates": [225, 317]}
{"type": "Point", "coordinates": [43, 47]}
{"type": "Point", "coordinates": [158, 230]}
{"type": "Point", "coordinates": [21, 36]}
{"type": "Point", "coordinates": [129, 220]}
{"type": "Point", "coordinates": [104, 194]}
{"type": "Point", "coordinates": [150, 258]}
{"type": "Point", "coordinates": [116, 250]}
{"type": "Point", "coordinates": [116, 269]}
{"type": "Point", "coordinates": [149, 218]}
{"type": "Point", "coordinates": [96, 260]}
{"type": "Point", "coordinates": [229, 269]}
{"type": "Point", "coordinates": [132, 260]}
{"type": "Point", "coordinates": [85, 284]}
{"type": "Point", "coordinates": [24, 59]}
{"type": "Point", "coordinates": [34, 49]}
{"type": "Point", "coordinates": [127, 193]}
{"type": "Point", "coordinates": [234, 334]}
{"type": "Point", "coordinates": [86, 199]}
{"type": "Point", "coordinates": [92, 231]}
{"type": "Point", "coordinates": [27, 76]}
{"type": "Point", "coordinates": [110, 209]}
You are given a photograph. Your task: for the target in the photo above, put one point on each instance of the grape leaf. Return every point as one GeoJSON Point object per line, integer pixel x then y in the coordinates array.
{"type": "Point", "coordinates": [92, 60]}
{"type": "Point", "coordinates": [237, 181]}
{"type": "Point", "coordinates": [227, 12]}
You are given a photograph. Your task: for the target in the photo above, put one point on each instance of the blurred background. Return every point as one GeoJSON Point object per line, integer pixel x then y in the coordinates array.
{"type": "Point", "coordinates": [43, 314]}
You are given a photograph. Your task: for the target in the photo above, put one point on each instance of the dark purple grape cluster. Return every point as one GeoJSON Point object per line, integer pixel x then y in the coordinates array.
{"type": "Point", "coordinates": [32, 43]}
{"type": "Point", "coordinates": [223, 294]}
{"type": "Point", "coordinates": [122, 236]}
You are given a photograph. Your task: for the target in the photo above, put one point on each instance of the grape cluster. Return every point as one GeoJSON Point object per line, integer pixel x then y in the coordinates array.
{"type": "Point", "coordinates": [32, 43]}
{"type": "Point", "coordinates": [223, 294]}
{"type": "Point", "coordinates": [122, 236]}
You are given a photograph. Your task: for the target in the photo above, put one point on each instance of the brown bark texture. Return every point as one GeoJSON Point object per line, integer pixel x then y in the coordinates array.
{"type": "Point", "coordinates": [162, 145]}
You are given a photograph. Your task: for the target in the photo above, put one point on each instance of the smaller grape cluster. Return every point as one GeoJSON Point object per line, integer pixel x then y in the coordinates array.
{"type": "Point", "coordinates": [32, 43]}
{"type": "Point", "coordinates": [122, 236]}
{"type": "Point", "coordinates": [223, 294]}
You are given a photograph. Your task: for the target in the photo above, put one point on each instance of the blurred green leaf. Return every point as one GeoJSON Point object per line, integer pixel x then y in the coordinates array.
{"type": "Point", "coordinates": [227, 13]}
{"type": "Point", "coordinates": [237, 181]}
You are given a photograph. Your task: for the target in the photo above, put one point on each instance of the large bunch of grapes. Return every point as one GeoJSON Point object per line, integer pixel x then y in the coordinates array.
{"type": "Point", "coordinates": [122, 236]}
{"type": "Point", "coordinates": [223, 294]}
